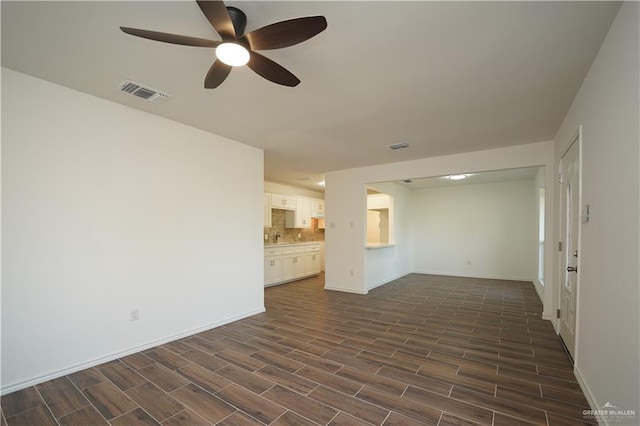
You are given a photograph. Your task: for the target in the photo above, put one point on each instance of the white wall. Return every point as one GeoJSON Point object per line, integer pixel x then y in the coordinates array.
{"type": "Point", "coordinates": [345, 197]}
{"type": "Point", "coordinates": [607, 107]}
{"type": "Point", "coordinates": [106, 208]}
{"type": "Point", "coordinates": [483, 230]}
{"type": "Point", "coordinates": [388, 263]}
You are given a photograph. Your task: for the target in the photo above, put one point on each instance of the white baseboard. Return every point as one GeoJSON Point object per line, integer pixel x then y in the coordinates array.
{"type": "Point", "coordinates": [539, 289]}
{"type": "Point", "coordinates": [457, 274]}
{"type": "Point", "coordinates": [101, 360]}
{"type": "Point", "coordinates": [383, 282]}
{"type": "Point", "coordinates": [602, 414]}
{"type": "Point", "coordinates": [346, 290]}
{"type": "Point", "coordinates": [588, 395]}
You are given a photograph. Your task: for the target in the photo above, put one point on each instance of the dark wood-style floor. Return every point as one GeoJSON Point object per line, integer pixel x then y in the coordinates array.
{"type": "Point", "coordinates": [423, 349]}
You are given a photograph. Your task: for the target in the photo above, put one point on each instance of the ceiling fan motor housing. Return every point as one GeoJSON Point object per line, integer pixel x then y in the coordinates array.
{"type": "Point", "coordinates": [239, 20]}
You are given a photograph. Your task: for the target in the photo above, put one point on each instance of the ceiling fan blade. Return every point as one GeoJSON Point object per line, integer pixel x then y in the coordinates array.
{"type": "Point", "coordinates": [285, 33]}
{"type": "Point", "coordinates": [268, 69]}
{"type": "Point", "coordinates": [218, 16]}
{"type": "Point", "coordinates": [171, 38]}
{"type": "Point", "coordinates": [216, 75]}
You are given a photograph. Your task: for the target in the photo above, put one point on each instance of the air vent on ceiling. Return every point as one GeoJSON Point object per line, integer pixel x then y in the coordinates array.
{"type": "Point", "coordinates": [143, 92]}
{"type": "Point", "coordinates": [398, 146]}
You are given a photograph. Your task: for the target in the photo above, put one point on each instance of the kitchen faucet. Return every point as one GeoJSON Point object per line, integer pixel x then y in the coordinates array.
{"type": "Point", "coordinates": [275, 237]}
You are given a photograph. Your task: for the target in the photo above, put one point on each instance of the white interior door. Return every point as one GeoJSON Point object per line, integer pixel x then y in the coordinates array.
{"type": "Point", "coordinates": [570, 190]}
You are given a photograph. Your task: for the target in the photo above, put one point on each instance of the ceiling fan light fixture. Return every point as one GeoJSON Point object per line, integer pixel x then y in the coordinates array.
{"type": "Point", "coordinates": [233, 54]}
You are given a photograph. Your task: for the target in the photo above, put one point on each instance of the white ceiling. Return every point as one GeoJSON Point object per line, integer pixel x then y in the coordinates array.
{"type": "Point", "coordinates": [447, 77]}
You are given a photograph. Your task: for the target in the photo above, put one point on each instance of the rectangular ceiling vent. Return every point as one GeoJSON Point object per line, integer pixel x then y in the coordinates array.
{"type": "Point", "coordinates": [398, 146]}
{"type": "Point", "coordinates": [144, 92]}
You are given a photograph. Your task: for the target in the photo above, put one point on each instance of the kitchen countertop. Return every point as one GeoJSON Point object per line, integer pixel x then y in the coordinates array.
{"type": "Point", "coordinates": [301, 243]}
{"type": "Point", "coordinates": [374, 246]}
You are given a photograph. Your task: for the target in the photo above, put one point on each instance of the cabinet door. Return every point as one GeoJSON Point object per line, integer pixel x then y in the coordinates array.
{"type": "Point", "coordinates": [301, 216]}
{"type": "Point", "coordinates": [272, 270]}
{"type": "Point", "coordinates": [303, 213]}
{"type": "Point", "coordinates": [299, 265]}
{"type": "Point", "coordinates": [283, 202]}
{"type": "Point", "coordinates": [321, 207]}
{"type": "Point", "coordinates": [313, 263]}
{"type": "Point", "coordinates": [317, 207]}
{"type": "Point", "coordinates": [288, 267]}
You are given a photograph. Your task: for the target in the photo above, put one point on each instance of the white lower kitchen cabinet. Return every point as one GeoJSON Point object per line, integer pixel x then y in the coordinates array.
{"type": "Point", "coordinates": [272, 266]}
{"type": "Point", "coordinates": [291, 262]}
{"type": "Point", "coordinates": [313, 259]}
{"type": "Point", "coordinates": [313, 263]}
{"type": "Point", "coordinates": [272, 270]}
{"type": "Point", "coordinates": [300, 266]}
{"type": "Point", "coordinates": [288, 267]}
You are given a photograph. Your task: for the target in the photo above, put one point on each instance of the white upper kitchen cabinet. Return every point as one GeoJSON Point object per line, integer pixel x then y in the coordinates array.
{"type": "Point", "coordinates": [301, 216]}
{"type": "Point", "coordinates": [284, 202]}
{"type": "Point", "coordinates": [317, 207]}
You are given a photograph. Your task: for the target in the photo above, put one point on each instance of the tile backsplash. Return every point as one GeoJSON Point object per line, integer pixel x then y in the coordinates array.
{"type": "Point", "coordinates": [290, 235]}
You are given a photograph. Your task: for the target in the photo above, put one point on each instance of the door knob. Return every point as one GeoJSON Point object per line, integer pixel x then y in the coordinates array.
{"type": "Point", "coordinates": [572, 269]}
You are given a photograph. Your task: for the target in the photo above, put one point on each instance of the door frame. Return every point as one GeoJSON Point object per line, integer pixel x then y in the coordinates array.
{"type": "Point", "coordinates": [576, 139]}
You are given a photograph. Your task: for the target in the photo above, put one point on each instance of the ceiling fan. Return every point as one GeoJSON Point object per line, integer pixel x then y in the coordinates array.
{"type": "Point", "coordinates": [237, 48]}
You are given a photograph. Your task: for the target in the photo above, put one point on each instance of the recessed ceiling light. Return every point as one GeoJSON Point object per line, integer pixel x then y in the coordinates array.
{"type": "Point", "coordinates": [457, 177]}
{"type": "Point", "coordinates": [407, 180]}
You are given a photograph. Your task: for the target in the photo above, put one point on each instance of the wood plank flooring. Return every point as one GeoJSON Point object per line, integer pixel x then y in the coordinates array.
{"type": "Point", "coordinates": [423, 349]}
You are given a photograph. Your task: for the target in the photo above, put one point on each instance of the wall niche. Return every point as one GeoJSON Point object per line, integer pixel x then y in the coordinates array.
{"type": "Point", "coordinates": [379, 218]}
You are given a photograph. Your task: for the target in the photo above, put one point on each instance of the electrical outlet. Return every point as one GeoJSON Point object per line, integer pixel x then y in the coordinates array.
{"type": "Point", "coordinates": [299, 235]}
{"type": "Point", "coordinates": [266, 237]}
{"type": "Point", "coordinates": [134, 315]}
